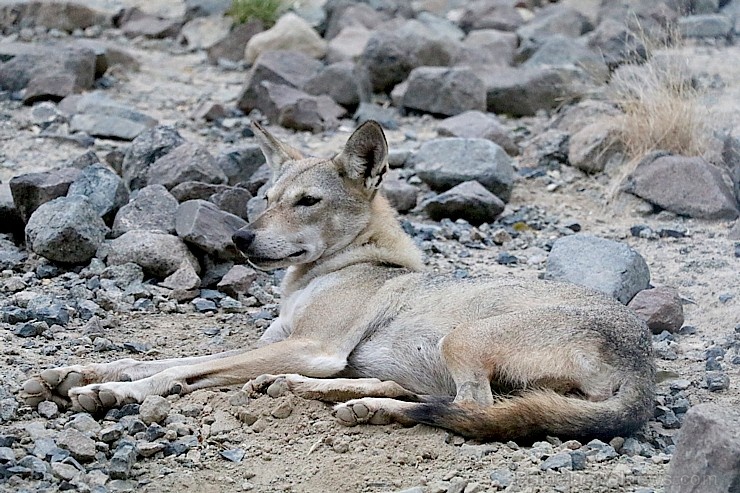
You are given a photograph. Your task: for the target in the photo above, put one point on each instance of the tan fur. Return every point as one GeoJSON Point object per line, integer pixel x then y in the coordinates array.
{"type": "Point", "coordinates": [361, 320]}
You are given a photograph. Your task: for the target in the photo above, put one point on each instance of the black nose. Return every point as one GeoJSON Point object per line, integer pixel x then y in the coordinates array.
{"type": "Point", "coordinates": [243, 239]}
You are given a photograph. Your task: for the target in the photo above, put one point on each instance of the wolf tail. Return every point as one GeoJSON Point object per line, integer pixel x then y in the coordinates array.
{"type": "Point", "coordinates": [540, 412]}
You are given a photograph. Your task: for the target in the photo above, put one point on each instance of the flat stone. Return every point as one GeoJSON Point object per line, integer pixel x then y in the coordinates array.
{"type": "Point", "coordinates": [477, 125]}
{"type": "Point", "coordinates": [597, 263]}
{"type": "Point", "coordinates": [557, 462]}
{"type": "Point", "coordinates": [237, 280]}
{"type": "Point", "coordinates": [79, 445]}
{"type": "Point", "coordinates": [444, 91]}
{"type": "Point", "coordinates": [159, 254]}
{"type": "Point", "coordinates": [469, 200]}
{"type": "Point", "coordinates": [151, 27]}
{"type": "Point", "coordinates": [444, 163]}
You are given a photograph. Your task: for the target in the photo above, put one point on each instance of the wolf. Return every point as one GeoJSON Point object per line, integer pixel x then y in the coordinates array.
{"type": "Point", "coordinates": [362, 324]}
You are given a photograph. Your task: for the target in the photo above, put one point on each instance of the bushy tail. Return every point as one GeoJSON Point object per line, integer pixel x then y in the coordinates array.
{"type": "Point", "coordinates": [537, 413]}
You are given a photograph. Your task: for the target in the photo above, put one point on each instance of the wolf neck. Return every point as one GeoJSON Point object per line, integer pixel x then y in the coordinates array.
{"type": "Point", "coordinates": [383, 241]}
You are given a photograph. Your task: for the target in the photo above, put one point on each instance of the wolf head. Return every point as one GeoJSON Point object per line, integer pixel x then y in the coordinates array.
{"type": "Point", "coordinates": [315, 207]}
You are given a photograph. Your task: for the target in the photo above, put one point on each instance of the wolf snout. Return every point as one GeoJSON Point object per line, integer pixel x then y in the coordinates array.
{"type": "Point", "coordinates": [243, 239]}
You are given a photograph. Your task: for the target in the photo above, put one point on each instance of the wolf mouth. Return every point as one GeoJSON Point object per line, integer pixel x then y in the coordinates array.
{"type": "Point", "coordinates": [258, 259]}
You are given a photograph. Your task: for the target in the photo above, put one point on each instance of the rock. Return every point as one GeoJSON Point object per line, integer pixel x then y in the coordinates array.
{"type": "Point", "coordinates": [194, 190]}
{"type": "Point", "coordinates": [67, 229]}
{"type": "Point", "coordinates": [183, 279]}
{"type": "Point", "coordinates": [483, 14]}
{"type": "Point", "coordinates": [660, 308]}
{"type": "Point", "coordinates": [705, 26]}
{"type": "Point", "coordinates": [342, 82]}
{"type": "Point", "coordinates": [241, 163]}
{"type": "Point", "coordinates": [159, 254]}
{"type": "Point", "coordinates": [488, 47]}
{"type": "Point", "coordinates": [386, 117]}
{"type": "Point", "coordinates": [103, 188]}
{"type": "Point", "coordinates": [31, 329]}
{"type": "Point", "coordinates": [154, 409]}
{"type": "Point", "coordinates": [501, 479]}
{"type": "Point", "coordinates": [469, 200]}
{"type": "Point", "coordinates": [100, 116]}
{"type": "Point", "coordinates": [151, 209]}
{"type": "Point", "coordinates": [596, 147]}
{"type": "Point", "coordinates": [108, 54]}
{"type": "Point", "coordinates": [12, 221]}
{"type": "Point", "coordinates": [563, 51]}
{"type": "Point", "coordinates": [717, 380]}
{"type": "Point", "coordinates": [444, 91]}
{"type": "Point", "coordinates": [290, 32]}
{"type": "Point", "coordinates": [224, 423]}
{"type": "Point", "coordinates": [237, 280]}
{"type": "Point", "coordinates": [203, 32]}
{"type": "Point", "coordinates": [84, 423]}
{"type": "Point", "coordinates": [46, 72]}
{"type": "Point", "coordinates": [233, 200]}
{"type": "Point", "coordinates": [145, 150]}
{"type": "Point", "coordinates": [557, 462]}
{"type": "Point", "coordinates": [523, 91]}
{"type": "Point", "coordinates": [400, 194]}
{"type": "Point", "coordinates": [686, 186]}
{"type": "Point", "coordinates": [210, 229]}
{"type": "Point", "coordinates": [444, 163]}
{"type": "Point", "coordinates": [604, 265]}
{"type": "Point", "coordinates": [79, 445]}
{"type": "Point", "coordinates": [297, 110]}
{"type": "Point", "coordinates": [232, 46]}
{"type": "Point", "coordinates": [390, 54]}
{"type": "Point", "coordinates": [290, 68]}
{"type": "Point", "coordinates": [707, 456]}
{"type": "Point", "coordinates": [282, 410]}
{"type": "Point", "coordinates": [477, 125]}
{"type": "Point", "coordinates": [342, 15]}
{"type": "Point", "coordinates": [203, 305]}
{"type": "Point", "coordinates": [617, 44]}
{"type": "Point", "coordinates": [151, 27]}
{"type": "Point", "coordinates": [34, 189]}
{"type": "Point", "coordinates": [64, 471]}
{"type": "Point", "coordinates": [348, 45]}
{"type": "Point", "coordinates": [556, 19]}
{"type": "Point", "coordinates": [234, 455]}
{"type": "Point", "coordinates": [186, 162]}
{"type": "Point", "coordinates": [48, 409]}
{"type": "Point", "coordinates": [122, 461]}
{"type": "Point", "coordinates": [61, 15]}
{"type": "Point", "coordinates": [210, 112]}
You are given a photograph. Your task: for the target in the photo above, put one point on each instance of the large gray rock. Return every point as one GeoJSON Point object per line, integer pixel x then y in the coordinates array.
{"type": "Point", "coordinates": [344, 15]}
{"type": "Point", "coordinates": [597, 263]}
{"type": "Point", "coordinates": [290, 32]}
{"type": "Point", "coordinates": [61, 15]}
{"type": "Point", "coordinates": [484, 14]}
{"type": "Point", "coordinates": [100, 116]}
{"type": "Point", "coordinates": [33, 189]}
{"type": "Point", "coordinates": [103, 188]}
{"type": "Point", "coordinates": [232, 46]}
{"type": "Point", "coordinates": [159, 254]}
{"type": "Point", "coordinates": [192, 190]}
{"type": "Point", "coordinates": [342, 82]}
{"type": "Point", "coordinates": [478, 125]}
{"type": "Point", "coordinates": [555, 19]}
{"type": "Point", "coordinates": [152, 209]}
{"type": "Point", "coordinates": [488, 47]}
{"type": "Point", "coordinates": [202, 33]}
{"type": "Point", "coordinates": [444, 163]}
{"type": "Point", "coordinates": [80, 446]}
{"type": "Point", "coordinates": [233, 200]}
{"type": "Point", "coordinates": [596, 147]}
{"type": "Point", "coordinates": [469, 200]}
{"type": "Point", "coordinates": [707, 457]}
{"type": "Point", "coordinates": [444, 91]}
{"type": "Point", "coordinates": [186, 162]}
{"type": "Point", "coordinates": [239, 164]}
{"type": "Point", "coordinates": [290, 68]}
{"type": "Point", "coordinates": [687, 186]}
{"type": "Point", "coordinates": [705, 26]}
{"type": "Point", "coordinates": [391, 54]}
{"type": "Point", "coordinates": [146, 148]}
{"type": "Point", "coordinates": [348, 45]}
{"type": "Point", "coordinates": [298, 110]}
{"type": "Point", "coordinates": [560, 50]}
{"type": "Point", "coordinates": [617, 44]}
{"type": "Point", "coordinates": [67, 229]}
{"type": "Point", "coordinates": [525, 90]}
{"type": "Point", "coordinates": [401, 195]}
{"type": "Point", "coordinates": [660, 308]}
{"type": "Point", "coordinates": [204, 225]}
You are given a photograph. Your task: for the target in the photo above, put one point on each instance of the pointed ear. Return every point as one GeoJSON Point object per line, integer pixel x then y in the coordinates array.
{"type": "Point", "coordinates": [365, 156]}
{"type": "Point", "coordinates": [276, 152]}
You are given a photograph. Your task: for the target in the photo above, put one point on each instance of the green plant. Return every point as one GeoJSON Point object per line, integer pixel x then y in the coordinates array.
{"type": "Point", "coordinates": [266, 11]}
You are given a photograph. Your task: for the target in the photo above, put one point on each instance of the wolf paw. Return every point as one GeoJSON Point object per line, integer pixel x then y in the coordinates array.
{"type": "Point", "coordinates": [366, 410]}
{"type": "Point", "coordinates": [272, 385]}
{"type": "Point", "coordinates": [99, 397]}
{"type": "Point", "coordinates": [54, 385]}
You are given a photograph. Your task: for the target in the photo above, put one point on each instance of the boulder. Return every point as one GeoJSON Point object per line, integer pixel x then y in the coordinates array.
{"type": "Point", "coordinates": [151, 209]}
{"type": "Point", "coordinates": [478, 125]}
{"type": "Point", "coordinates": [186, 162]}
{"type": "Point", "coordinates": [687, 186]}
{"type": "Point", "coordinates": [707, 456]}
{"type": "Point", "coordinates": [61, 15]}
{"type": "Point", "coordinates": [203, 225]}
{"type": "Point", "coordinates": [33, 189]}
{"type": "Point", "coordinates": [67, 229]}
{"type": "Point", "coordinates": [145, 149]}
{"type": "Point", "coordinates": [444, 163]}
{"type": "Point", "coordinates": [290, 68]}
{"type": "Point", "coordinates": [232, 46]}
{"type": "Point", "coordinates": [159, 254]}
{"type": "Point", "coordinates": [290, 32]}
{"type": "Point", "coordinates": [193, 190]}
{"type": "Point", "coordinates": [342, 82]}
{"type": "Point", "coordinates": [487, 47]}
{"type": "Point", "coordinates": [386, 117]}
{"type": "Point", "coordinates": [348, 45]}
{"type": "Point", "coordinates": [596, 147]}
{"type": "Point", "coordinates": [103, 188]}
{"type": "Point", "coordinates": [399, 193]}
{"type": "Point", "coordinates": [233, 200]}
{"type": "Point", "coordinates": [298, 110]}
{"type": "Point", "coordinates": [660, 308]}
{"type": "Point", "coordinates": [99, 116]}
{"type": "Point", "coordinates": [600, 264]}
{"type": "Point", "coordinates": [344, 15]}
{"type": "Point", "coordinates": [556, 19]}
{"type": "Point", "coordinates": [558, 50]}
{"type": "Point", "coordinates": [204, 32]}
{"type": "Point", "coordinates": [444, 91]}
{"type": "Point", "coordinates": [469, 200]}
{"type": "Point", "coordinates": [237, 280]}
{"type": "Point", "coordinates": [240, 163]}
{"type": "Point", "coordinates": [617, 44]}
{"type": "Point", "coordinates": [484, 14]}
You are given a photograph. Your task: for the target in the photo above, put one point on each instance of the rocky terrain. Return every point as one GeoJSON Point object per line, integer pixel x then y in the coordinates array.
{"type": "Point", "coordinates": [586, 141]}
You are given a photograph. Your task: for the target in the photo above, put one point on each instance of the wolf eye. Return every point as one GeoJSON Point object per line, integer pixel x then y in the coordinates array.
{"type": "Point", "coordinates": [307, 201]}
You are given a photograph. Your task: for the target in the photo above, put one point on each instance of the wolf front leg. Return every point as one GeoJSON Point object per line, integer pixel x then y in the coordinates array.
{"type": "Point", "coordinates": [290, 356]}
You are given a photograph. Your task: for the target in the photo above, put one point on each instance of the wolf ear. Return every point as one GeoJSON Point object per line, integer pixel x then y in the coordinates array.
{"type": "Point", "coordinates": [365, 156]}
{"type": "Point", "coordinates": [276, 153]}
